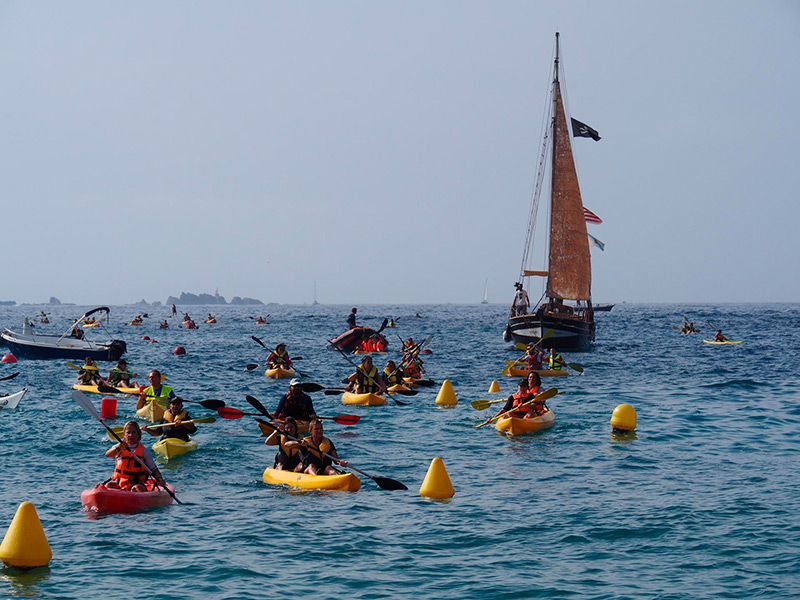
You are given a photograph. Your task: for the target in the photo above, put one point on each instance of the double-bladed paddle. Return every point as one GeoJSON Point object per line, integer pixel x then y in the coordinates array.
{"type": "Point", "coordinates": [484, 404]}
{"type": "Point", "coordinates": [228, 412]}
{"type": "Point", "coordinates": [546, 395]}
{"type": "Point", "coordinates": [86, 404]}
{"type": "Point", "coordinates": [209, 404]}
{"type": "Point", "coordinates": [253, 366]}
{"type": "Point", "coordinates": [337, 391]}
{"type": "Point", "coordinates": [383, 482]}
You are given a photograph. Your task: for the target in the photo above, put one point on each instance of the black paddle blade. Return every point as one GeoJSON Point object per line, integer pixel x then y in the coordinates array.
{"type": "Point", "coordinates": [333, 392]}
{"type": "Point", "coordinates": [400, 402]}
{"type": "Point", "coordinates": [9, 376]}
{"type": "Point", "coordinates": [312, 387]}
{"type": "Point", "coordinates": [251, 367]}
{"type": "Point", "coordinates": [389, 484]}
{"type": "Point", "coordinates": [107, 389]}
{"type": "Point", "coordinates": [405, 392]}
{"type": "Point", "coordinates": [212, 404]}
{"type": "Point", "coordinates": [258, 341]}
{"type": "Point", "coordinates": [257, 405]}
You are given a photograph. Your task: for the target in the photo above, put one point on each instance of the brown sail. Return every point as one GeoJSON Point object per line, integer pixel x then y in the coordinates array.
{"type": "Point", "coordinates": [570, 267]}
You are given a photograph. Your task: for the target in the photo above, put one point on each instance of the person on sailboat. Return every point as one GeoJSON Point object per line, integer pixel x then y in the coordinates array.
{"type": "Point", "coordinates": [719, 337]}
{"type": "Point", "coordinates": [521, 301]}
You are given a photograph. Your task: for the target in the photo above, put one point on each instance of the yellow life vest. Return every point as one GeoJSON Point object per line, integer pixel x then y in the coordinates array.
{"type": "Point", "coordinates": [162, 398]}
{"type": "Point", "coordinates": [168, 416]}
{"type": "Point", "coordinates": [364, 384]}
{"type": "Point", "coordinates": [288, 451]}
{"type": "Point", "coordinates": [325, 446]}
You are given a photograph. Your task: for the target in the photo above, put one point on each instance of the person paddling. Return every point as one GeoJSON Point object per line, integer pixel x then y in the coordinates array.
{"type": "Point", "coordinates": [517, 400]}
{"type": "Point", "coordinates": [719, 337]}
{"type": "Point", "coordinates": [89, 374]}
{"type": "Point", "coordinates": [279, 358]}
{"type": "Point", "coordinates": [554, 361]}
{"type": "Point", "coordinates": [155, 392]}
{"type": "Point", "coordinates": [289, 457]}
{"type": "Point", "coordinates": [120, 375]}
{"type": "Point", "coordinates": [366, 379]}
{"type": "Point", "coordinates": [295, 404]}
{"type": "Point", "coordinates": [129, 474]}
{"type": "Point", "coordinates": [392, 375]}
{"type": "Point", "coordinates": [315, 463]}
{"type": "Point", "coordinates": [175, 415]}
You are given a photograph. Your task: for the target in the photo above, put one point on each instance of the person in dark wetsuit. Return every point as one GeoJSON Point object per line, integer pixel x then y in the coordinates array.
{"type": "Point", "coordinates": [289, 456]}
{"type": "Point", "coordinates": [315, 463]}
{"type": "Point", "coordinates": [351, 319]}
{"type": "Point", "coordinates": [296, 404]}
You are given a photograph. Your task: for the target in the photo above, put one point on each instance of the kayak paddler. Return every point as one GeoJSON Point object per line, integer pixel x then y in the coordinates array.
{"type": "Point", "coordinates": [366, 379]}
{"type": "Point", "coordinates": [155, 391]}
{"type": "Point", "coordinates": [315, 463]}
{"type": "Point", "coordinates": [288, 457]}
{"type": "Point", "coordinates": [295, 403]}
{"type": "Point", "coordinates": [129, 474]}
{"type": "Point", "coordinates": [175, 415]}
{"type": "Point", "coordinates": [279, 358]}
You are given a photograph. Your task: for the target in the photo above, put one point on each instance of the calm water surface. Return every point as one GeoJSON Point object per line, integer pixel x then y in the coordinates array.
{"type": "Point", "coordinates": [704, 502]}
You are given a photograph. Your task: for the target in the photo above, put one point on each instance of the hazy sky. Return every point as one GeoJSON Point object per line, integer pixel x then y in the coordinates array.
{"type": "Point", "coordinates": [387, 151]}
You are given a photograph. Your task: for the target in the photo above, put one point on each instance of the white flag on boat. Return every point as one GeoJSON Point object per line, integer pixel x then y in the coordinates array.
{"type": "Point", "coordinates": [593, 241]}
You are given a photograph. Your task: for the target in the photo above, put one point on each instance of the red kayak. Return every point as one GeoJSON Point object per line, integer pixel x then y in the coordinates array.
{"type": "Point", "coordinates": [103, 500]}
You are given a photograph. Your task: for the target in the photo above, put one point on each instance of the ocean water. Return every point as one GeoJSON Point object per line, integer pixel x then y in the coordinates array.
{"type": "Point", "coordinates": [703, 502]}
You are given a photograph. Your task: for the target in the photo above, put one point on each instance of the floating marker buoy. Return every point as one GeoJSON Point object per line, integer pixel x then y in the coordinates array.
{"type": "Point", "coordinates": [145, 338]}
{"type": "Point", "coordinates": [8, 358]}
{"type": "Point", "coordinates": [495, 387]}
{"type": "Point", "coordinates": [624, 418]}
{"type": "Point", "coordinates": [25, 544]}
{"type": "Point", "coordinates": [437, 482]}
{"type": "Point", "coordinates": [108, 408]}
{"type": "Point", "coordinates": [153, 341]}
{"type": "Point", "coordinates": [427, 351]}
{"type": "Point", "coordinates": [446, 395]}
{"type": "Point", "coordinates": [179, 350]}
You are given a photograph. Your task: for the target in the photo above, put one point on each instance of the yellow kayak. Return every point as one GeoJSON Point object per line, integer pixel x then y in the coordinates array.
{"type": "Point", "coordinates": [88, 325]}
{"type": "Point", "coordinates": [171, 447]}
{"type": "Point", "coordinates": [134, 391]}
{"type": "Point", "coordinates": [280, 373]}
{"type": "Point", "coordinates": [514, 426]}
{"type": "Point", "coordinates": [152, 412]}
{"type": "Point", "coordinates": [363, 399]}
{"type": "Point", "coordinates": [398, 387]}
{"type": "Point", "coordinates": [721, 343]}
{"type": "Point", "coordinates": [523, 372]}
{"type": "Point", "coordinates": [346, 482]}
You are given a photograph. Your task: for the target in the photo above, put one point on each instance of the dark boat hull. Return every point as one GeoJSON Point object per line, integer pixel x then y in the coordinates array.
{"type": "Point", "coordinates": [32, 350]}
{"type": "Point", "coordinates": [350, 339]}
{"type": "Point", "coordinates": [568, 333]}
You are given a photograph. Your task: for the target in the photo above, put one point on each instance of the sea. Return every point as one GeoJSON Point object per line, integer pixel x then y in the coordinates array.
{"type": "Point", "coordinates": [701, 501]}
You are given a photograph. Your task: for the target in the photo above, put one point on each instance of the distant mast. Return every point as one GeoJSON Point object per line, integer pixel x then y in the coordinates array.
{"type": "Point", "coordinates": [485, 292]}
{"type": "Point", "coordinates": [315, 303]}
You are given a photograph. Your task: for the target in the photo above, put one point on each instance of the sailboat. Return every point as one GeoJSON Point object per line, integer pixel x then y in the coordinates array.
{"type": "Point", "coordinates": [566, 304]}
{"type": "Point", "coordinates": [485, 292]}
{"type": "Point", "coordinates": [315, 303]}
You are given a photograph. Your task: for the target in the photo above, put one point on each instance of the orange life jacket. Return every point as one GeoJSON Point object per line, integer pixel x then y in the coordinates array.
{"type": "Point", "coordinates": [127, 470]}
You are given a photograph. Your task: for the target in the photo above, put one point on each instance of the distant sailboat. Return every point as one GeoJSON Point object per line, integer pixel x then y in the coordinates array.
{"type": "Point", "coordinates": [566, 304]}
{"type": "Point", "coordinates": [315, 303]}
{"type": "Point", "coordinates": [485, 292]}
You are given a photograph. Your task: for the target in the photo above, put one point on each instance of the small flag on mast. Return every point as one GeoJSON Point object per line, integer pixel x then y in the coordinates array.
{"type": "Point", "coordinates": [593, 241]}
{"type": "Point", "coordinates": [590, 217]}
{"type": "Point", "coordinates": [583, 130]}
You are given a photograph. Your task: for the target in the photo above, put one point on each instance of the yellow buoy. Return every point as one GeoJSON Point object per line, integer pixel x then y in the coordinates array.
{"type": "Point", "coordinates": [437, 482]}
{"type": "Point", "coordinates": [495, 387]}
{"type": "Point", "coordinates": [624, 418]}
{"type": "Point", "coordinates": [25, 544]}
{"type": "Point", "coordinates": [446, 395]}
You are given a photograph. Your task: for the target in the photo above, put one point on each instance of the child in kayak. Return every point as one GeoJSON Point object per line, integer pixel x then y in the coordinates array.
{"type": "Point", "coordinates": [129, 473]}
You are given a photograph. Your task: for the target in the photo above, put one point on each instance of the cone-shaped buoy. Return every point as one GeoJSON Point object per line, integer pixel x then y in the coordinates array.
{"type": "Point", "coordinates": [145, 338]}
{"type": "Point", "coordinates": [624, 418]}
{"type": "Point", "coordinates": [437, 482]}
{"type": "Point", "coordinates": [495, 387]}
{"type": "Point", "coordinates": [25, 544]}
{"type": "Point", "coordinates": [446, 395]}
{"type": "Point", "coordinates": [8, 358]}
{"type": "Point", "coordinates": [179, 350]}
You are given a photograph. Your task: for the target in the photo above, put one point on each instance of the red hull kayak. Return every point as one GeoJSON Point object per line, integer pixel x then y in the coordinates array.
{"type": "Point", "coordinates": [104, 500]}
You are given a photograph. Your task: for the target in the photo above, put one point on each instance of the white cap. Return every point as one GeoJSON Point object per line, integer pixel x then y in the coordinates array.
{"type": "Point", "coordinates": [295, 381]}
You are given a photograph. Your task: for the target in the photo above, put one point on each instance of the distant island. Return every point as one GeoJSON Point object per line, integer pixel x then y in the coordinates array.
{"type": "Point", "coordinates": [8, 302]}
{"type": "Point", "coordinates": [187, 298]}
